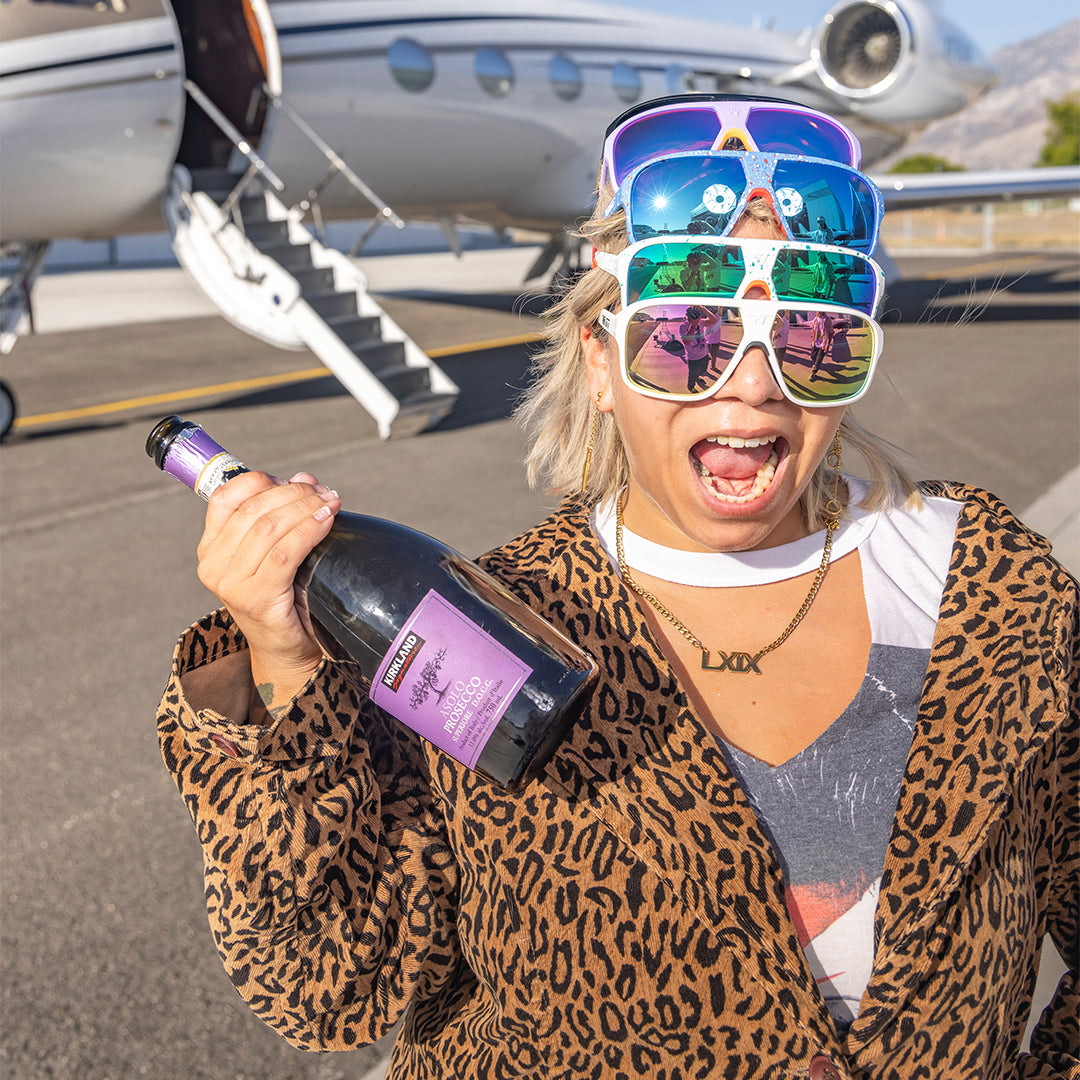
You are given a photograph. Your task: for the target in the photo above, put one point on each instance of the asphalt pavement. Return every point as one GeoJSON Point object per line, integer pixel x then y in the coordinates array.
{"type": "Point", "coordinates": [108, 968]}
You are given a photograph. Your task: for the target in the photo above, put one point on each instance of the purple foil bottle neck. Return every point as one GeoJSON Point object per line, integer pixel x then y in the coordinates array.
{"type": "Point", "coordinates": [184, 451]}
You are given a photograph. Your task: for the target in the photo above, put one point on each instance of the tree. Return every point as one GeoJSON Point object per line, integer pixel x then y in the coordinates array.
{"type": "Point", "coordinates": [1062, 146]}
{"type": "Point", "coordinates": [426, 683]}
{"type": "Point", "coordinates": [924, 163]}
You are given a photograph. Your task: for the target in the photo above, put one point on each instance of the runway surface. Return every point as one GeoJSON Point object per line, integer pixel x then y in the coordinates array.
{"type": "Point", "coordinates": [108, 969]}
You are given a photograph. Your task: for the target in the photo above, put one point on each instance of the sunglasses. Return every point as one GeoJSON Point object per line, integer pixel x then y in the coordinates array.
{"type": "Point", "coordinates": [685, 350]}
{"type": "Point", "coordinates": [785, 269]}
{"type": "Point", "coordinates": [720, 122]}
{"type": "Point", "coordinates": [705, 194]}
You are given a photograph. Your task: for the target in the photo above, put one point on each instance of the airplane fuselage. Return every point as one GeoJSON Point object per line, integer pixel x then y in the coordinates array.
{"type": "Point", "coordinates": [474, 110]}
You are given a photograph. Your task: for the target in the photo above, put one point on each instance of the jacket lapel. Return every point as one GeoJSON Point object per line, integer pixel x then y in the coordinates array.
{"type": "Point", "coordinates": [645, 765]}
{"type": "Point", "coordinates": [982, 714]}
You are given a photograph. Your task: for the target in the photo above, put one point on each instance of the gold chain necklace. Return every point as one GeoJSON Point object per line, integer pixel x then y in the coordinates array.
{"type": "Point", "coordinates": [740, 662]}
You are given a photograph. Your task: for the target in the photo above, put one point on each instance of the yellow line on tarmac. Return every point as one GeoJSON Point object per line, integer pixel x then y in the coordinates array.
{"type": "Point", "coordinates": [258, 383]}
{"type": "Point", "coordinates": [163, 399]}
{"type": "Point", "coordinates": [492, 343]}
{"type": "Point", "coordinates": [982, 267]}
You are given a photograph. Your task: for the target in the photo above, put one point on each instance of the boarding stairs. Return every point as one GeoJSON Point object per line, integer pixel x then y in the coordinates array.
{"type": "Point", "coordinates": [269, 275]}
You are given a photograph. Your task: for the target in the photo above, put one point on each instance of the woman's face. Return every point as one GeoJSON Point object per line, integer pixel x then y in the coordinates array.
{"type": "Point", "coordinates": [722, 474]}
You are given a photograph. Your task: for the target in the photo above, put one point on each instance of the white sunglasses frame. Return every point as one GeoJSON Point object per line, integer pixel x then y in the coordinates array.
{"type": "Point", "coordinates": [733, 115]}
{"type": "Point", "coordinates": [760, 257]}
{"type": "Point", "coordinates": [762, 316]}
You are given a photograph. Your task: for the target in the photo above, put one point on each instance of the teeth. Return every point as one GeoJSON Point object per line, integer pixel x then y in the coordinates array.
{"type": "Point", "coordinates": [761, 480]}
{"type": "Point", "coordinates": [734, 440]}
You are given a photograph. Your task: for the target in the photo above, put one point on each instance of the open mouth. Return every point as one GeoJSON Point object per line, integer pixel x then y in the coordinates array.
{"type": "Point", "coordinates": [737, 470]}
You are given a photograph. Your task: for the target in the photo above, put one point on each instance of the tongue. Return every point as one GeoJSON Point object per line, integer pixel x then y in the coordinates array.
{"type": "Point", "coordinates": [730, 462]}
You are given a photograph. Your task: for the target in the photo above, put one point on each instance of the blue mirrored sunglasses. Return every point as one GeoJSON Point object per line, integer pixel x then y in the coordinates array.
{"type": "Point", "coordinates": [705, 194]}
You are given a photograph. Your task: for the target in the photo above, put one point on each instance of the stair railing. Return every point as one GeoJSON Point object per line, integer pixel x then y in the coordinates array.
{"type": "Point", "coordinates": [256, 166]}
{"type": "Point", "coordinates": [337, 166]}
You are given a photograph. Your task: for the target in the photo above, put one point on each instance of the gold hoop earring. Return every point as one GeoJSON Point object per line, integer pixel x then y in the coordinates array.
{"type": "Point", "coordinates": [589, 448]}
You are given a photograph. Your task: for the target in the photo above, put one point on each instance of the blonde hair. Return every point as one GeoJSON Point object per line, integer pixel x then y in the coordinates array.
{"type": "Point", "coordinates": [557, 411]}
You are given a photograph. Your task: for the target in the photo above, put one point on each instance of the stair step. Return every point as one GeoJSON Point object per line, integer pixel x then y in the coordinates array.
{"type": "Point", "coordinates": [333, 303]}
{"type": "Point", "coordinates": [288, 256]}
{"type": "Point", "coordinates": [267, 232]}
{"type": "Point", "coordinates": [404, 381]}
{"type": "Point", "coordinates": [379, 356]}
{"type": "Point", "coordinates": [253, 208]}
{"type": "Point", "coordinates": [356, 330]}
{"type": "Point", "coordinates": [420, 411]}
{"type": "Point", "coordinates": [217, 183]}
{"type": "Point", "coordinates": [315, 279]}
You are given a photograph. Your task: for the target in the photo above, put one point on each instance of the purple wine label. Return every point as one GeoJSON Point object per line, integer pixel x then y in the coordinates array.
{"type": "Point", "coordinates": [200, 463]}
{"type": "Point", "coordinates": [448, 679]}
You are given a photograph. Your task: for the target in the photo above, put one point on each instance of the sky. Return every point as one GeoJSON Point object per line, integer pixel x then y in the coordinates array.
{"type": "Point", "coordinates": [989, 23]}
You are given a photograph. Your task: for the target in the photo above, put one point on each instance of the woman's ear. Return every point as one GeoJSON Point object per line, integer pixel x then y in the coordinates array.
{"type": "Point", "coordinates": [598, 368]}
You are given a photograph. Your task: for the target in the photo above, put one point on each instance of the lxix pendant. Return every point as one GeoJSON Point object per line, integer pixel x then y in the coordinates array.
{"type": "Point", "coordinates": [741, 662]}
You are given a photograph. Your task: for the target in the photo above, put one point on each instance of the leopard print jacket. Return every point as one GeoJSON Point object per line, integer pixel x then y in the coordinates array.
{"type": "Point", "coordinates": [623, 916]}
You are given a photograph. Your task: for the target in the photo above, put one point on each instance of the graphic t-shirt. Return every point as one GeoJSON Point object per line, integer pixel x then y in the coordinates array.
{"type": "Point", "coordinates": [829, 812]}
{"type": "Point", "coordinates": [829, 809]}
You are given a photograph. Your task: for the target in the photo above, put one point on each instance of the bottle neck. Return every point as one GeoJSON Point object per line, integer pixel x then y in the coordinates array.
{"type": "Point", "coordinates": [200, 463]}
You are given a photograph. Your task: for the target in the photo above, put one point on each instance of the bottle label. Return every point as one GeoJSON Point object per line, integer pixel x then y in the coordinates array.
{"type": "Point", "coordinates": [448, 679]}
{"type": "Point", "coordinates": [200, 463]}
{"type": "Point", "coordinates": [217, 471]}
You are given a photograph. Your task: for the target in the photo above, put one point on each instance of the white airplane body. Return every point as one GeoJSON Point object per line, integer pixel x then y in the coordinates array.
{"type": "Point", "coordinates": [448, 110]}
{"type": "Point", "coordinates": [92, 103]}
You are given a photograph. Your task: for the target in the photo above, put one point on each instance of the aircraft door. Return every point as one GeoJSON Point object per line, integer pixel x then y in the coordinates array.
{"type": "Point", "coordinates": [230, 51]}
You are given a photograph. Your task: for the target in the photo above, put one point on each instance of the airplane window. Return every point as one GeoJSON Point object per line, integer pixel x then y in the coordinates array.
{"type": "Point", "coordinates": [494, 72]}
{"type": "Point", "coordinates": [627, 82]}
{"type": "Point", "coordinates": [411, 64]}
{"type": "Point", "coordinates": [565, 77]}
{"type": "Point", "coordinates": [678, 79]}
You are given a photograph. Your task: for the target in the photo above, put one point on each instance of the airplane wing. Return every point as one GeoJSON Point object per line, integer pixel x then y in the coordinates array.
{"type": "Point", "coordinates": [907, 191]}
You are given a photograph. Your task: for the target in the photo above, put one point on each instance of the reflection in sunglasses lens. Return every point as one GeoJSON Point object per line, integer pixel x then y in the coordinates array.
{"type": "Point", "coordinates": [683, 349]}
{"type": "Point", "coordinates": [718, 269]}
{"type": "Point", "coordinates": [827, 356]}
{"type": "Point", "coordinates": [820, 202]}
{"type": "Point", "coordinates": [785, 133]}
{"type": "Point", "coordinates": [653, 136]}
{"type": "Point", "coordinates": [773, 130]}
{"type": "Point", "coordinates": [830, 276]}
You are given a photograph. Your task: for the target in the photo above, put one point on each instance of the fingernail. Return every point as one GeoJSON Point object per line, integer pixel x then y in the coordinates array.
{"type": "Point", "coordinates": [277, 480]}
{"type": "Point", "coordinates": [322, 513]}
{"type": "Point", "coordinates": [329, 493]}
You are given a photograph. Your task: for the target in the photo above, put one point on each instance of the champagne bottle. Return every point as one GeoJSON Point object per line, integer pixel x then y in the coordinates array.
{"type": "Point", "coordinates": [441, 645]}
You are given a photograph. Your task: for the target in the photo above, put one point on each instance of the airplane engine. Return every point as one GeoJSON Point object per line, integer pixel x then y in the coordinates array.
{"type": "Point", "coordinates": [897, 61]}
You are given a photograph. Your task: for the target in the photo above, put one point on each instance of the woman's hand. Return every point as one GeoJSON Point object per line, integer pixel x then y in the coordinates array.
{"type": "Point", "coordinates": [258, 531]}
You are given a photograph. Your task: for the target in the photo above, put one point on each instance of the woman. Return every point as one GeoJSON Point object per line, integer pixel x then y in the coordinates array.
{"type": "Point", "coordinates": [814, 821]}
{"type": "Point", "coordinates": [693, 333]}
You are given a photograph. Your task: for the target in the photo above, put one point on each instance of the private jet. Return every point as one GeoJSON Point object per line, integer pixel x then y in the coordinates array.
{"type": "Point", "coordinates": [247, 124]}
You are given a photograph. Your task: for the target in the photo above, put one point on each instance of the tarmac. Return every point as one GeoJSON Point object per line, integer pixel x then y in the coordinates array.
{"type": "Point", "coordinates": [107, 967]}
{"type": "Point", "coordinates": [112, 297]}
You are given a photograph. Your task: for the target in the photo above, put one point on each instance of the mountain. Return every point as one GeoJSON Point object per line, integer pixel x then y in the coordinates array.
{"type": "Point", "coordinates": [1006, 128]}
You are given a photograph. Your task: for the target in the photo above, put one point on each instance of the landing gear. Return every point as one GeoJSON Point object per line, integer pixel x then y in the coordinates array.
{"type": "Point", "coordinates": [7, 408]}
{"type": "Point", "coordinates": [16, 306]}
